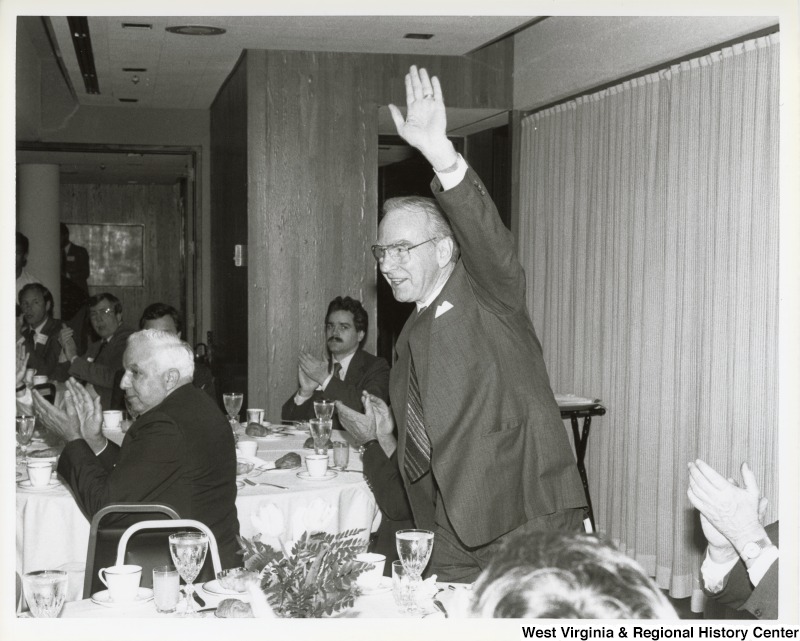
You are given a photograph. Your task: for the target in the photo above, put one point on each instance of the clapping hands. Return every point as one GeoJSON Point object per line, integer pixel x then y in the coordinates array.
{"type": "Point", "coordinates": [79, 415]}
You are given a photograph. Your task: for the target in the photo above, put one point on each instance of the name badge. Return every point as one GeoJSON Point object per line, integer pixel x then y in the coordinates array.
{"type": "Point", "coordinates": [70, 259]}
{"type": "Point", "coordinates": [41, 339]}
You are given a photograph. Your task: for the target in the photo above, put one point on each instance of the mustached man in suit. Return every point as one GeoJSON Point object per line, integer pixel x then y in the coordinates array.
{"type": "Point", "coordinates": [481, 446]}
{"type": "Point", "coordinates": [347, 373]}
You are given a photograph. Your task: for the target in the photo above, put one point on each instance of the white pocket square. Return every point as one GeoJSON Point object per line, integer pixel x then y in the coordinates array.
{"type": "Point", "coordinates": [441, 309]}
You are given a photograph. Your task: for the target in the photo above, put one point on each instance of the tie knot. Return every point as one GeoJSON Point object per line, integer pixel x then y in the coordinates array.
{"type": "Point", "coordinates": [337, 368]}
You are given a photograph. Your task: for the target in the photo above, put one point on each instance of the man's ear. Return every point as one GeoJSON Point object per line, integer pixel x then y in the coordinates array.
{"type": "Point", "coordinates": [444, 251]}
{"type": "Point", "coordinates": [361, 336]}
{"type": "Point", "coordinates": [171, 378]}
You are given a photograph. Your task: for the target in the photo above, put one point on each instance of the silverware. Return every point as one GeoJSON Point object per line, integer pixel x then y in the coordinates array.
{"type": "Point", "coordinates": [199, 599]}
{"type": "Point", "coordinates": [440, 607]}
{"type": "Point", "coordinates": [249, 482]}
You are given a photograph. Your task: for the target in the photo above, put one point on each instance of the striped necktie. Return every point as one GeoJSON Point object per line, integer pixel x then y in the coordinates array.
{"type": "Point", "coordinates": [337, 370]}
{"type": "Point", "coordinates": [418, 446]}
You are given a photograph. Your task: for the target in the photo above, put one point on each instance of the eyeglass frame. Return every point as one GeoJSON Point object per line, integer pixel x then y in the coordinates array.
{"type": "Point", "coordinates": [384, 249]}
{"type": "Point", "coordinates": [102, 313]}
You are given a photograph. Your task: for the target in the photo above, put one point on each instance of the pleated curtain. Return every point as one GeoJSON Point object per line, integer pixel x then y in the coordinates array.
{"type": "Point", "coordinates": [649, 237]}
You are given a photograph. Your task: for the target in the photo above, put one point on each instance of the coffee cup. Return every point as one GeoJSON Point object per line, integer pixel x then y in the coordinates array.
{"type": "Point", "coordinates": [40, 379]}
{"type": "Point", "coordinates": [255, 416]}
{"type": "Point", "coordinates": [247, 448]}
{"type": "Point", "coordinates": [112, 419]}
{"type": "Point", "coordinates": [317, 464]}
{"type": "Point", "coordinates": [371, 579]}
{"type": "Point", "coordinates": [122, 581]}
{"type": "Point", "coordinates": [39, 472]}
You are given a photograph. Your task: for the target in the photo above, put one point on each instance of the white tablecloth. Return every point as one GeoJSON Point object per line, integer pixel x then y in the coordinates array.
{"type": "Point", "coordinates": [52, 533]}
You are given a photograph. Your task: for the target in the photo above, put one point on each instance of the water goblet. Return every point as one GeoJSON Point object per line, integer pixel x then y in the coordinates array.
{"type": "Point", "coordinates": [25, 426]}
{"type": "Point", "coordinates": [414, 548]}
{"type": "Point", "coordinates": [320, 432]}
{"type": "Point", "coordinates": [341, 455]}
{"type": "Point", "coordinates": [45, 592]}
{"type": "Point", "coordinates": [324, 409]}
{"type": "Point", "coordinates": [233, 403]}
{"type": "Point", "coordinates": [188, 550]}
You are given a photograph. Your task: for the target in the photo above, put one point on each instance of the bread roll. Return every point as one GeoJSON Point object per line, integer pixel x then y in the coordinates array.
{"type": "Point", "coordinates": [234, 609]}
{"type": "Point", "coordinates": [288, 461]}
{"type": "Point", "coordinates": [254, 429]}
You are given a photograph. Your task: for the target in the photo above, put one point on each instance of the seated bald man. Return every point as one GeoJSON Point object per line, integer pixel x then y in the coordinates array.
{"type": "Point", "coordinates": [179, 451]}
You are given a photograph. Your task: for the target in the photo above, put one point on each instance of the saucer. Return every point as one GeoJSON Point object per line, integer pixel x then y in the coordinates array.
{"type": "Point", "coordinates": [215, 587]}
{"type": "Point", "coordinates": [329, 476]}
{"type": "Point", "coordinates": [103, 598]}
{"type": "Point", "coordinates": [29, 487]}
{"type": "Point", "coordinates": [384, 585]}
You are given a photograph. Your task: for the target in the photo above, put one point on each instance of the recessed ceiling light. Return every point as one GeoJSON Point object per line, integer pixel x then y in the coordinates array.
{"type": "Point", "coordinates": [135, 69]}
{"type": "Point", "coordinates": [196, 30]}
{"type": "Point", "coordinates": [136, 25]}
{"type": "Point", "coordinates": [128, 99]}
{"type": "Point", "coordinates": [418, 36]}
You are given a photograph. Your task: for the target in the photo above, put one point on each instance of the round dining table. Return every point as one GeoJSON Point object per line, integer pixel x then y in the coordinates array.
{"type": "Point", "coordinates": [52, 532]}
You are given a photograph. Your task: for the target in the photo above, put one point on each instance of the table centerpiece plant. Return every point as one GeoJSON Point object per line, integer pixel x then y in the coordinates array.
{"type": "Point", "coordinates": [316, 577]}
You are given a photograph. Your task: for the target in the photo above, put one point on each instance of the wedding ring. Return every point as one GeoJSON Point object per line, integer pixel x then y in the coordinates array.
{"type": "Point", "coordinates": [427, 95]}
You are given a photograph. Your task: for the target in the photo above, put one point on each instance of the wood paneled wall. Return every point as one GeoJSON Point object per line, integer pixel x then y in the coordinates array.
{"type": "Point", "coordinates": [312, 187]}
{"type": "Point", "coordinates": [157, 208]}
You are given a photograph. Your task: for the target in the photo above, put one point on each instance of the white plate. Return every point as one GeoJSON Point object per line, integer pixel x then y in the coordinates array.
{"type": "Point", "coordinates": [215, 587]}
{"type": "Point", "coordinates": [384, 586]}
{"type": "Point", "coordinates": [28, 486]}
{"type": "Point", "coordinates": [329, 476]}
{"type": "Point", "coordinates": [103, 598]}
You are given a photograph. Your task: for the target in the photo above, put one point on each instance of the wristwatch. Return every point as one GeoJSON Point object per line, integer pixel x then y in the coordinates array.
{"type": "Point", "coordinates": [753, 549]}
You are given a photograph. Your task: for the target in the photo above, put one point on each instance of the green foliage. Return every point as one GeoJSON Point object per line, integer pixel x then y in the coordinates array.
{"type": "Point", "coordinates": [316, 579]}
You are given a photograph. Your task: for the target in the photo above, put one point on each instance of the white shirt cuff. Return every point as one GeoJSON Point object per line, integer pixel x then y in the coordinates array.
{"type": "Point", "coordinates": [762, 564]}
{"type": "Point", "coordinates": [452, 178]}
{"type": "Point", "coordinates": [714, 573]}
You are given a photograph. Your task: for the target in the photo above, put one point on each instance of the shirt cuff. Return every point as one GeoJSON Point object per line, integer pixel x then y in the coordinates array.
{"type": "Point", "coordinates": [762, 564]}
{"type": "Point", "coordinates": [450, 179]}
{"type": "Point", "coordinates": [714, 573]}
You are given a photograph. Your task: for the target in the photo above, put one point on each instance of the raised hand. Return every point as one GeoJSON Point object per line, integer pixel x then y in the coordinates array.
{"type": "Point", "coordinates": [314, 368]}
{"type": "Point", "coordinates": [85, 403]}
{"type": "Point", "coordinates": [62, 421]}
{"type": "Point", "coordinates": [361, 426]}
{"type": "Point", "coordinates": [67, 341]}
{"type": "Point", "coordinates": [729, 511]}
{"type": "Point", "coordinates": [425, 124]}
{"type": "Point", "coordinates": [384, 421]}
{"type": "Point", "coordinates": [22, 361]}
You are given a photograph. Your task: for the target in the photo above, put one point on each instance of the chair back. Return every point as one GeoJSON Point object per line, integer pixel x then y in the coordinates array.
{"type": "Point", "coordinates": [108, 526]}
{"type": "Point", "coordinates": [174, 526]}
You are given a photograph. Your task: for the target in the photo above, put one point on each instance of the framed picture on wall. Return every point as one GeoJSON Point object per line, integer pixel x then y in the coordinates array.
{"type": "Point", "coordinates": [116, 253]}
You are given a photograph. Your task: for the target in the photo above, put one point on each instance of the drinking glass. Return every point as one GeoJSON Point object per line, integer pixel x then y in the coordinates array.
{"type": "Point", "coordinates": [402, 588]}
{"type": "Point", "coordinates": [188, 550]}
{"type": "Point", "coordinates": [341, 455]}
{"type": "Point", "coordinates": [45, 592]}
{"type": "Point", "coordinates": [324, 409]}
{"type": "Point", "coordinates": [166, 588]}
{"type": "Point", "coordinates": [233, 403]}
{"type": "Point", "coordinates": [321, 432]}
{"type": "Point", "coordinates": [25, 425]}
{"type": "Point", "coordinates": [414, 548]}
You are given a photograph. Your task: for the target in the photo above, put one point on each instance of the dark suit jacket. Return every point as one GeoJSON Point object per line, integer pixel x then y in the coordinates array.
{"type": "Point", "coordinates": [500, 454]}
{"type": "Point", "coordinates": [97, 366]}
{"type": "Point", "coordinates": [75, 265]}
{"type": "Point", "coordinates": [180, 453]}
{"type": "Point", "coordinates": [43, 357]}
{"type": "Point", "coordinates": [383, 478]}
{"type": "Point", "coordinates": [366, 372]}
{"type": "Point", "coordinates": [738, 593]}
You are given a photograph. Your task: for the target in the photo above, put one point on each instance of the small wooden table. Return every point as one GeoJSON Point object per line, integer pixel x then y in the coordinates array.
{"type": "Point", "coordinates": [580, 435]}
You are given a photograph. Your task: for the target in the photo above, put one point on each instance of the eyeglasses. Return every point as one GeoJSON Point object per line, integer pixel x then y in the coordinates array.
{"type": "Point", "coordinates": [398, 253]}
{"type": "Point", "coordinates": [101, 313]}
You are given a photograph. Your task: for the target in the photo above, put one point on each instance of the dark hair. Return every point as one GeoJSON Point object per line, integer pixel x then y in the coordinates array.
{"type": "Point", "coordinates": [22, 242]}
{"type": "Point", "coordinates": [438, 226]}
{"type": "Point", "coordinates": [159, 310]}
{"type": "Point", "coordinates": [554, 575]}
{"type": "Point", "coordinates": [48, 297]}
{"type": "Point", "coordinates": [98, 298]}
{"type": "Point", "coordinates": [347, 304]}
